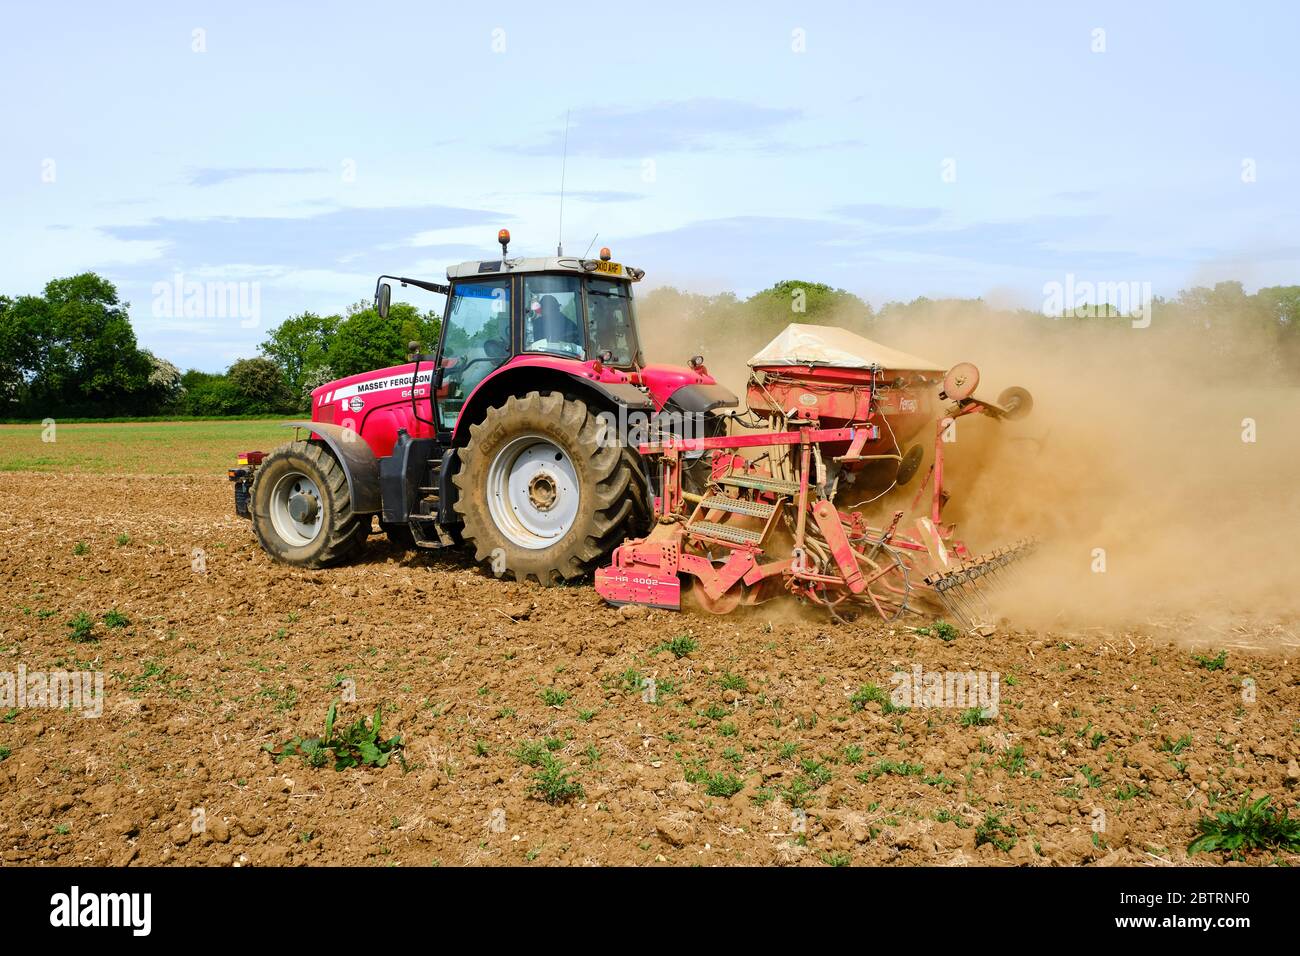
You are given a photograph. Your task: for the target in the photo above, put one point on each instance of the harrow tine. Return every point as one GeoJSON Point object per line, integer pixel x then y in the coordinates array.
{"type": "Point", "coordinates": [969, 590]}
{"type": "Point", "coordinates": [966, 598]}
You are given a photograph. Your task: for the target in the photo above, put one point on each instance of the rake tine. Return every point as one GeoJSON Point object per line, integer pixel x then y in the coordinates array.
{"type": "Point", "coordinates": [965, 597]}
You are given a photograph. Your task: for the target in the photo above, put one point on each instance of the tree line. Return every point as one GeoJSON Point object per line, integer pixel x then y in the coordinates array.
{"type": "Point", "coordinates": [71, 351]}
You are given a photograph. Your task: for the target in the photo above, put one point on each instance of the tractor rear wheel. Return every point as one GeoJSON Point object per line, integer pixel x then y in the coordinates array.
{"type": "Point", "coordinates": [302, 514]}
{"type": "Point", "coordinates": [545, 493]}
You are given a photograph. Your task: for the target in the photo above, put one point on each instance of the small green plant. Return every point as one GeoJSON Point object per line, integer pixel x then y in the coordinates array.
{"type": "Point", "coordinates": [123, 540]}
{"type": "Point", "coordinates": [1176, 747]}
{"type": "Point", "coordinates": [872, 694]}
{"type": "Point", "coordinates": [586, 716]}
{"type": "Point", "coordinates": [1013, 760]}
{"type": "Point", "coordinates": [727, 729]}
{"type": "Point", "coordinates": [893, 767]}
{"type": "Point", "coordinates": [993, 830]}
{"type": "Point", "coordinates": [798, 793]}
{"type": "Point", "coordinates": [715, 712]}
{"type": "Point", "coordinates": [730, 681]}
{"type": "Point", "coordinates": [1092, 776]}
{"type": "Point", "coordinates": [836, 859]}
{"type": "Point", "coordinates": [974, 717]}
{"type": "Point", "coordinates": [116, 618]}
{"type": "Point", "coordinates": [80, 548]}
{"type": "Point", "coordinates": [1252, 826]}
{"type": "Point", "coordinates": [939, 780]}
{"type": "Point", "coordinates": [1211, 663]}
{"type": "Point", "coordinates": [551, 782]}
{"type": "Point", "coordinates": [532, 754]}
{"type": "Point", "coordinates": [722, 785]}
{"type": "Point", "coordinates": [360, 745]}
{"type": "Point", "coordinates": [82, 628]}
{"type": "Point", "coordinates": [868, 694]}
{"type": "Point", "coordinates": [5, 753]}
{"type": "Point", "coordinates": [679, 646]}
{"type": "Point", "coordinates": [554, 697]}
{"type": "Point", "coordinates": [852, 755]}
{"type": "Point", "coordinates": [817, 772]}
{"type": "Point", "coordinates": [945, 631]}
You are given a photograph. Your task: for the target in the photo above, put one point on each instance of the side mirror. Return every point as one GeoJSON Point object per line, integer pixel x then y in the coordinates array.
{"type": "Point", "coordinates": [385, 299]}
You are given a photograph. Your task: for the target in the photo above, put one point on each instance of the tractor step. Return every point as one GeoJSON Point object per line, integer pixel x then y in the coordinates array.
{"type": "Point", "coordinates": [758, 483]}
{"type": "Point", "coordinates": [720, 532]}
{"type": "Point", "coordinates": [738, 506]}
{"type": "Point", "coordinates": [427, 533]}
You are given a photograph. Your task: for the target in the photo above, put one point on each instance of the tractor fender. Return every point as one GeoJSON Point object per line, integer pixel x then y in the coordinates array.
{"type": "Point", "coordinates": [518, 378]}
{"type": "Point", "coordinates": [701, 399]}
{"type": "Point", "coordinates": [358, 462]}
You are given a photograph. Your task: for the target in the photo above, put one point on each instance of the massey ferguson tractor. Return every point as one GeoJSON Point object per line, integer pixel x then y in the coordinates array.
{"type": "Point", "coordinates": [519, 434]}
{"type": "Point", "coordinates": [537, 433]}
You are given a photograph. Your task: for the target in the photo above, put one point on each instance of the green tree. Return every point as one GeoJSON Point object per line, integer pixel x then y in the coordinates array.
{"type": "Point", "coordinates": [204, 393]}
{"type": "Point", "coordinates": [260, 386]}
{"type": "Point", "coordinates": [73, 350]}
{"type": "Point", "coordinates": [164, 380]}
{"type": "Point", "coordinates": [815, 303]}
{"type": "Point", "coordinates": [299, 346]}
{"type": "Point", "coordinates": [364, 341]}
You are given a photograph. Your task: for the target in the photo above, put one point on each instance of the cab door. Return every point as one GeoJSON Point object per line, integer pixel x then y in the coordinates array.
{"type": "Point", "coordinates": [476, 341]}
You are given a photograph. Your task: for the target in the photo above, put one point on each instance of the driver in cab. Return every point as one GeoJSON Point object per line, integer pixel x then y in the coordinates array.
{"type": "Point", "coordinates": [552, 330]}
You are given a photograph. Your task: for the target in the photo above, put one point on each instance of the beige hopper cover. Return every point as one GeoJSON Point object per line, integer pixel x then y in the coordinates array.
{"type": "Point", "coordinates": [839, 348]}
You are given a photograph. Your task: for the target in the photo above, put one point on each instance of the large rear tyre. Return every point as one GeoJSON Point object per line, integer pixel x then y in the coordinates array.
{"type": "Point", "coordinates": [545, 493]}
{"type": "Point", "coordinates": [302, 514]}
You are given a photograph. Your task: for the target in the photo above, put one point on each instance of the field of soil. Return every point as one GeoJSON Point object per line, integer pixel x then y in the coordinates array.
{"type": "Point", "coordinates": [765, 741]}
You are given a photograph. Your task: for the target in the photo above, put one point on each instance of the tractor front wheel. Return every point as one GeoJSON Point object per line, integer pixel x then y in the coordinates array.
{"type": "Point", "coordinates": [545, 492]}
{"type": "Point", "coordinates": [302, 514]}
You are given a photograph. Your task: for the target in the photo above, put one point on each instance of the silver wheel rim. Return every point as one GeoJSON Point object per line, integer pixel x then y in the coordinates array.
{"type": "Point", "coordinates": [532, 492]}
{"type": "Point", "coordinates": [297, 509]}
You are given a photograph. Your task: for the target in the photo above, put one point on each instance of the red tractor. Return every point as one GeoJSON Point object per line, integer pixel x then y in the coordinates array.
{"type": "Point", "coordinates": [518, 434]}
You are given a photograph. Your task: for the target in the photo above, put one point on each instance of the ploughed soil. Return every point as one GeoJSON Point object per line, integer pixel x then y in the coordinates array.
{"type": "Point", "coordinates": [760, 746]}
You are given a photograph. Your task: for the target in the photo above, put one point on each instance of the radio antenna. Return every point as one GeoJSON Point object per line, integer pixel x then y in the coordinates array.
{"type": "Point", "coordinates": [564, 163]}
{"type": "Point", "coordinates": [590, 244]}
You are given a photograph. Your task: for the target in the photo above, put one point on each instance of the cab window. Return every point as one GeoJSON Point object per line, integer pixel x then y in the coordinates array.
{"type": "Point", "coordinates": [477, 342]}
{"type": "Point", "coordinates": [609, 321]}
{"type": "Point", "coordinates": [553, 315]}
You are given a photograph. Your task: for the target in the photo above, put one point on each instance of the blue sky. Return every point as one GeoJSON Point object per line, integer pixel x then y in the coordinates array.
{"type": "Point", "coordinates": [310, 146]}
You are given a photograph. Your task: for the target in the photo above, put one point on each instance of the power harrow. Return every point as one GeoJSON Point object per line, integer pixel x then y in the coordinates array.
{"type": "Point", "coordinates": [782, 511]}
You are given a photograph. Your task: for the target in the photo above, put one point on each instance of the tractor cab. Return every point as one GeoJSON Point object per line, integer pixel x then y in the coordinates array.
{"type": "Point", "coordinates": [519, 435]}
{"type": "Point", "coordinates": [552, 311]}
{"type": "Point", "coordinates": [559, 310]}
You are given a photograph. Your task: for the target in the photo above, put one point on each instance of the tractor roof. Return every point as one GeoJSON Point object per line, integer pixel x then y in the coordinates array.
{"type": "Point", "coordinates": [487, 267]}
